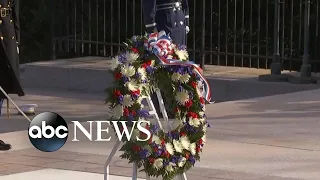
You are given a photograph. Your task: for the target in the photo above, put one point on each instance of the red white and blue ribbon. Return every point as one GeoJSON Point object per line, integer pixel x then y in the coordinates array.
{"type": "Point", "coordinates": [161, 45]}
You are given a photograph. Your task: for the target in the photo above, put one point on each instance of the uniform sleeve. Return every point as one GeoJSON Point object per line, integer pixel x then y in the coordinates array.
{"type": "Point", "coordinates": [185, 6]}
{"type": "Point", "coordinates": [149, 13]}
{"type": "Point", "coordinates": [16, 21]}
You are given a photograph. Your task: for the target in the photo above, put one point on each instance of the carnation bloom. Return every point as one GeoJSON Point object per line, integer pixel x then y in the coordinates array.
{"type": "Point", "coordinates": [177, 146]}
{"type": "Point", "coordinates": [131, 57]}
{"type": "Point", "coordinates": [182, 97]}
{"type": "Point", "coordinates": [143, 73]}
{"type": "Point", "coordinates": [169, 148]}
{"type": "Point", "coordinates": [169, 167]}
{"type": "Point", "coordinates": [117, 112]}
{"type": "Point", "coordinates": [185, 78]}
{"type": "Point", "coordinates": [192, 148]}
{"type": "Point", "coordinates": [185, 142]}
{"type": "Point", "coordinates": [175, 77]}
{"type": "Point", "coordinates": [114, 63]}
{"type": "Point", "coordinates": [132, 85]}
{"type": "Point", "coordinates": [156, 139]}
{"type": "Point", "coordinates": [182, 54]}
{"type": "Point", "coordinates": [194, 122]}
{"type": "Point", "coordinates": [158, 163]}
{"type": "Point", "coordinates": [127, 101]}
{"type": "Point", "coordinates": [128, 71]}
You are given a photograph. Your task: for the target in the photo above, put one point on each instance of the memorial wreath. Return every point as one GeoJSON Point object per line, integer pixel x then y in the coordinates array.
{"type": "Point", "coordinates": [150, 62]}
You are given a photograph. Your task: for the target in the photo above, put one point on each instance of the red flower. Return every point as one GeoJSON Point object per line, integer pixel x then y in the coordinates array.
{"type": "Point", "coordinates": [187, 155]}
{"type": "Point", "coordinates": [136, 93]}
{"type": "Point", "coordinates": [144, 65]}
{"type": "Point", "coordinates": [176, 109]}
{"type": "Point", "coordinates": [117, 93]}
{"type": "Point", "coordinates": [149, 62]}
{"type": "Point", "coordinates": [188, 104]}
{"type": "Point", "coordinates": [198, 149]}
{"type": "Point", "coordinates": [193, 115]}
{"type": "Point", "coordinates": [183, 133]}
{"type": "Point", "coordinates": [151, 160]}
{"type": "Point", "coordinates": [136, 148]}
{"type": "Point", "coordinates": [133, 113]}
{"type": "Point", "coordinates": [163, 142]}
{"type": "Point", "coordinates": [126, 111]}
{"type": "Point", "coordinates": [202, 101]}
{"type": "Point", "coordinates": [194, 84]}
{"type": "Point", "coordinates": [200, 141]}
{"type": "Point", "coordinates": [165, 154]}
{"type": "Point", "coordinates": [117, 75]}
{"type": "Point", "coordinates": [155, 149]}
{"type": "Point", "coordinates": [135, 50]}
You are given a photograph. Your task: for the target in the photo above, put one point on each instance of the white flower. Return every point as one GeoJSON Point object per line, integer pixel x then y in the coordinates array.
{"type": "Point", "coordinates": [201, 113]}
{"type": "Point", "coordinates": [204, 139]}
{"type": "Point", "coordinates": [192, 148]}
{"type": "Point", "coordinates": [175, 77]}
{"type": "Point", "coordinates": [182, 97]}
{"type": "Point", "coordinates": [177, 146]}
{"type": "Point", "coordinates": [194, 122]}
{"type": "Point", "coordinates": [131, 57]}
{"type": "Point", "coordinates": [169, 167]}
{"type": "Point", "coordinates": [143, 73]}
{"type": "Point", "coordinates": [182, 54]}
{"type": "Point", "coordinates": [202, 120]}
{"type": "Point", "coordinates": [158, 163]}
{"type": "Point", "coordinates": [127, 101]}
{"type": "Point", "coordinates": [169, 148]}
{"type": "Point", "coordinates": [185, 78]}
{"type": "Point", "coordinates": [185, 143]}
{"type": "Point", "coordinates": [156, 139]}
{"type": "Point", "coordinates": [132, 85]}
{"type": "Point", "coordinates": [128, 71]}
{"type": "Point", "coordinates": [114, 63]}
{"type": "Point", "coordinates": [117, 112]}
{"type": "Point", "coordinates": [182, 162]}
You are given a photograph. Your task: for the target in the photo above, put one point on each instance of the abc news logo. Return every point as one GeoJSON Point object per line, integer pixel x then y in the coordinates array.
{"type": "Point", "coordinates": [48, 131]}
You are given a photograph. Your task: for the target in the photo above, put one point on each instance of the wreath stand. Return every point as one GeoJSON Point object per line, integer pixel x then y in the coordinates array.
{"type": "Point", "coordinates": [153, 112]}
{"type": "Point", "coordinates": [10, 100]}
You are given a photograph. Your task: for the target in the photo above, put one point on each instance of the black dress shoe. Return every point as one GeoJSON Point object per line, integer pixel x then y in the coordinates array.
{"type": "Point", "coordinates": [4, 146]}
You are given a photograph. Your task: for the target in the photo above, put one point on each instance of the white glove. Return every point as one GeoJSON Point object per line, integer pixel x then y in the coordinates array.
{"type": "Point", "coordinates": [18, 49]}
{"type": "Point", "coordinates": [187, 29]}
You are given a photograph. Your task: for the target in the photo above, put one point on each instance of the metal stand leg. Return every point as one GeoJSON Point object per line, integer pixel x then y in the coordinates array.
{"type": "Point", "coordinates": [134, 171]}
{"type": "Point", "coordinates": [107, 164]}
{"type": "Point", "coordinates": [8, 108]}
{"type": "Point", "coordinates": [9, 99]}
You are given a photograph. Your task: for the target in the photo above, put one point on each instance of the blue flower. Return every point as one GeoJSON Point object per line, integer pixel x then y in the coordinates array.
{"type": "Point", "coordinates": [122, 58]}
{"type": "Point", "coordinates": [190, 95]}
{"type": "Point", "coordinates": [180, 88]}
{"type": "Point", "coordinates": [121, 98]}
{"type": "Point", "coordinates": [125, 79]}
{"type": "Point", "coordinates": [192, 160]}
{"type": "Point", "coordinates": [150, 69]}
{"type": "Point", "coordinates": [165, 163]}
{"type": "Point", "coordinates": [154, 129]}
{"type": "Point", "coordinates": [143, 154]}
{"type": "Point", "coordinates": [159, 152]}
{"type": "Point", "coordinates": [182, 47]}
{"type": "Point", "coordinates": [175, 135]}
{"type": "Point", "coordinates": [143, 113]}
{"type": "Point", "coordinates": [175, 159]}
{"type": "Point", "coordinates": [130, 118]}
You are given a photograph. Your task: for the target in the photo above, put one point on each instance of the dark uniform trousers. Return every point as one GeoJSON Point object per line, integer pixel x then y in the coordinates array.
{"type": "Point", "coordinates": [9, 42]}
{"type": "Point", "coordinates": [171, 16]}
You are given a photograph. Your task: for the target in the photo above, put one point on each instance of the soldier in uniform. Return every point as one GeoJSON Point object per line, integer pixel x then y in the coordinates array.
{"type": "Point", "coordinates": [9, 53]}
{"type": "Point", "coordinates": [171, 16]}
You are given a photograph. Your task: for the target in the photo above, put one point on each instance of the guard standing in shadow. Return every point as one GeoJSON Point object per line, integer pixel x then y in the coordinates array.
{"type": "Point", "coordinates": [171, 16]}
{"type": "Point", "coordinates": [9, 54]}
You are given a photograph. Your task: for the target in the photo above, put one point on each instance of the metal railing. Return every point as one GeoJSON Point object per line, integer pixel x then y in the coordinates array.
{"type": "Point", "coordinates": [242, 33]}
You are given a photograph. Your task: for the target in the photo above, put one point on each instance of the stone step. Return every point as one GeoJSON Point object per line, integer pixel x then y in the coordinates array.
{"type": "Point", "coordinates": [90, 74]}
